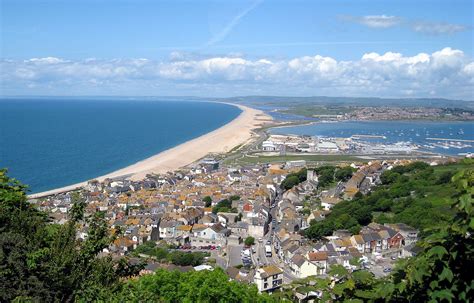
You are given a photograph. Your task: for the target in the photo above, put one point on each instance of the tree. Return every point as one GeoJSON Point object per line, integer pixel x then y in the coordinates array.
{"type": "Point", "coordinates": [293, 179]}
{"type": "Point", "coordinates": [40, 261]}
{"type": "Point", "coordinates": [197, 286]}
{"type": "Point", "coordinates": [249, 241]}
{"type": "Point", "coordinates": [442, 271]}
{"type": "Point", "coordinates": [224, 205]}
{"type": "Point", "coordinates": [208, 201]}
{"type": "Point", "coordinates": [289, 182]}
{"type": "Point", "coordinates": [389, 177]}
{"type": "Point", "coordinates": [186, 258]}
{"type": "Point", "coordinates": [343, 174]}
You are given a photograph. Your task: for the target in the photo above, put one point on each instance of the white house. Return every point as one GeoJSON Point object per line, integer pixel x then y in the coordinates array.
{"type": "Point", "coordinates": [320, 259]}
{"type": "Point", "coordinates": [268, 278]}
{"type": "Point", "coordinates": [302, 268]}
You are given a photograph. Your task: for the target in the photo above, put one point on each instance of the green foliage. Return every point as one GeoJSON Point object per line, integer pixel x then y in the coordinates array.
{"type": "Point", "coordinates": [225, 205]}
{"type": "Point", "coordinates": [163, 254]}
{"type": "Point", "coordinates": [289, 182]}
{"type": "Point", "coordinates": [182, 258]}
{"type": "Point", "coordinates": [441, 272]}
{"type": "Point", "coordinates": [445, 177]}
{"type": "Point", "coordinates": [44, 262]}
{"type": "Point", "coordinates": [343, 173]}
{"type": "Point", "coordinates": [174, 286]}
{"type": "Point", "coordinates": [409, 194]}
{"type": "Point", "coordinates": [238, 218]}
{"type": "Point", "coordinates": [150, 249]}
{"type": "Point", "coordinates": [293, 179]}
{"type": "Point", "coordinates": [325, 175]}
{"type": "Point", "coordinates": [234, 198]}
{"type": "Point", "coordinates": [207, 200]}
{"type": "Point", "coordinates": [249, 241]}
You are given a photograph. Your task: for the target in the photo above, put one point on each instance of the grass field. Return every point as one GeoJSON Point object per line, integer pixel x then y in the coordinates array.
{"type": "Point", "coordinates": [308, 158]}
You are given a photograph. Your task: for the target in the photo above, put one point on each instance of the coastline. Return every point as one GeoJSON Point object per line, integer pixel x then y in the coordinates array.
{"type": "Point", "coordinates": [221, 140]}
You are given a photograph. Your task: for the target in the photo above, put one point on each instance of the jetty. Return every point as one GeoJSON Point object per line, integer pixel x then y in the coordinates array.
{"type": "Point", "coordinates": [453, 140]}
{"type": "Point", "coordinates": [368, 136]}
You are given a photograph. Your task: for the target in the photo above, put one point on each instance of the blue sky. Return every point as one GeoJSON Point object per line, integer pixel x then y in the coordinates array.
{"type": "Point", "coordinates": [225, 48]}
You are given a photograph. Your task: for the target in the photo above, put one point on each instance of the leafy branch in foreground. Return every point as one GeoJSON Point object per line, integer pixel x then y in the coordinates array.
{"type": "Point", "coordinates": [40, 261]}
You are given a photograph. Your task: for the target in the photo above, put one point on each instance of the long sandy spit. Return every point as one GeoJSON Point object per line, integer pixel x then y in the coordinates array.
{"type": "Point", "coordinates": [238, 131]}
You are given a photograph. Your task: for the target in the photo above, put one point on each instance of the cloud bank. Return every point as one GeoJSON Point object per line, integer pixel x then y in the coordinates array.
{"type": "Point", "coordinates": [444, 73]}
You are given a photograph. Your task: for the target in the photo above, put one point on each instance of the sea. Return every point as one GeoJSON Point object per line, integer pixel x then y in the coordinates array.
{"type": "Point", "coordinates": [51, 143]}
{"type": "Point", "coordinates": [410, 132]}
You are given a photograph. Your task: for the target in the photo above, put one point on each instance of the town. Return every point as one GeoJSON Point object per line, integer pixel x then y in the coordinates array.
{"type": "Point", "coordinates": [249, 220]}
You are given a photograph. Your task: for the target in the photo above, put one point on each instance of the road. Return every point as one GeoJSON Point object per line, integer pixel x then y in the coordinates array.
{"type": "Point", "coordinates": [234, 257]}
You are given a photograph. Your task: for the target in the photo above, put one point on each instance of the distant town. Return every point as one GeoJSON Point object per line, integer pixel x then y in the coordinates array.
{"type": "Point", "coordinates": [246, 219]}
{"type": "Point", "coordinates": [369, 113]}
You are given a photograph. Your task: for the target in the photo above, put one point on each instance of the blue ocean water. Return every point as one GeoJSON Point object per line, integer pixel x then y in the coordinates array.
{"type": "Point", "coordinates": [415, 132]}
{"type": "Point", "coordinates": [53, 143]}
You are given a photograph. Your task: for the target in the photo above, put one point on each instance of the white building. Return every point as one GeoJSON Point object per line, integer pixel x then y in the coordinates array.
{"type": "Point", "coordinates": [268, 278]}
{"type": "Point", "coordinates": [326, 146]}
{"type": "Point", "coordinates": [268, 146]}
{"type": "Point", "coordinates": [296, 163]}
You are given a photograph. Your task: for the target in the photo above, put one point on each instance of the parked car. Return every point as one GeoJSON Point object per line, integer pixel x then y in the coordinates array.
{"type": "Point", "coordinates": [387, 269]}
{"type": "Point", "coordinates": [260, 240]}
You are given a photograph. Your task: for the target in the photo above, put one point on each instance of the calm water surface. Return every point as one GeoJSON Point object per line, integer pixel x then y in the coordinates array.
{"type": "Point", "coordinates": [53, 143]}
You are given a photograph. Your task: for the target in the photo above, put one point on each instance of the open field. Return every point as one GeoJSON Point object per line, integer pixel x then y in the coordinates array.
{"type": "Point", "coordinates": [249, 159]}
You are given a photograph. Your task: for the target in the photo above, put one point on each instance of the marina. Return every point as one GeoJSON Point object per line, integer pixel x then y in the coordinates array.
{"type": "Point", "coordinates": [451, 138]}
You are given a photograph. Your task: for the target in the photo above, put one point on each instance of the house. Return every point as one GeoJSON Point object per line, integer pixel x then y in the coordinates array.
{"type": "Point", "coordinates": [268, 278]}
{"type": "Point", "coordinates": [317, 215]}
{"type": "Point", "coordinates": [215, 235]}
{"type": "Point", "coordinates": [410, 234]}
{"type": "Point", "coordinates": [302, 268]}
{"type": "Point", "coordinates": [372, 242]}
{"type": "Point", "coordinates": [257, 227]}
{"type": "Point", "coordinates": [358, 242]}
{"type": "Point", "coordinates": [328, 202]}
{"type": "Point", "coordinates": [168, 229]}
{"type": "Point", "coordinates": [320, 259]}
{"type": "Point", "coordinates": [183, 232]}
{"type": "Point", "coordinates": [241, 275]}
{"type": "Point", "coordinates": [239, 228]}
{"type": "Point", "coordinates": [124, 244]}
{"type": "Point", "coordinates": [208, 219]}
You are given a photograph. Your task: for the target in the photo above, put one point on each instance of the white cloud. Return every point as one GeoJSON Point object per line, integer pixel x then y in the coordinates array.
{"type": "Point", "coordinates": [449, 72]}
{"type": "Point", "coordinates": [434, 28]}
{"type": "Point", "coordinates": [47, 60]}
{"type": "Point", "coordinates": [381, 21]}
{"type": "Point", "coordinates": [424, 27]}
{"type": "Point", "coordinates": [374, 21]}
